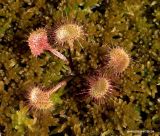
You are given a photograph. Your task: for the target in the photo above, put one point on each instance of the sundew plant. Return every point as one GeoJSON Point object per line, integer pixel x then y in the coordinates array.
{"type": "Point", "coordinates": [79, 67]}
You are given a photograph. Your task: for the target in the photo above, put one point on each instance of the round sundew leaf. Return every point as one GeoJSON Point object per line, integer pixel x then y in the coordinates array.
{"type": "Point", "coordinates": [119, 60]}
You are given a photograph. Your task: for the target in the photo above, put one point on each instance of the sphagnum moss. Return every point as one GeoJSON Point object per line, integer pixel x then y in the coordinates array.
{"type": "Point", "coordinates": [134, 24]}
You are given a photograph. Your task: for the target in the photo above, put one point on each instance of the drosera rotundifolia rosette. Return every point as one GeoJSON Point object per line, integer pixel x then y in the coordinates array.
{"type": "Point", "coordinates": [99, 87]}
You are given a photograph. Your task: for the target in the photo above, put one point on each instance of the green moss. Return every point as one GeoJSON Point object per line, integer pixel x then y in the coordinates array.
{"type": "Point", "coordinates": [133, 25]}
{"type": "Point", "coordinates": [21, 121]}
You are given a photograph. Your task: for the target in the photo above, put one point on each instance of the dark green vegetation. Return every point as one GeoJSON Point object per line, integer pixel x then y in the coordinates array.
{"type": "Point", "coordinates": [131, 24]}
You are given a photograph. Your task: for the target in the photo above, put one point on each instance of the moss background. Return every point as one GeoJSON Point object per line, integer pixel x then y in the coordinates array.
{"type": "Point", "coordinates": [131, 24]}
